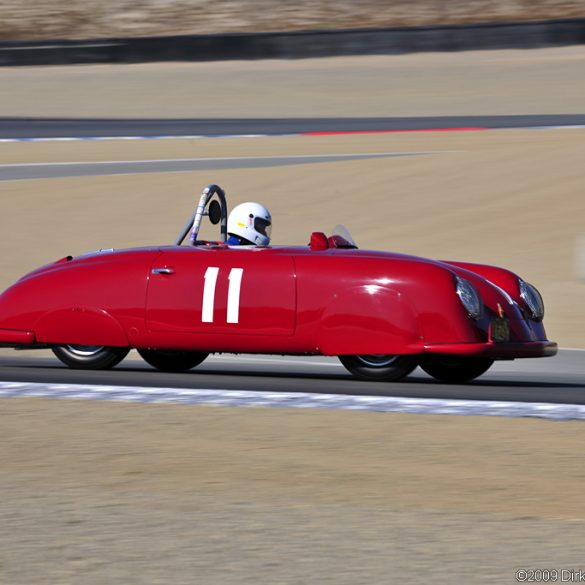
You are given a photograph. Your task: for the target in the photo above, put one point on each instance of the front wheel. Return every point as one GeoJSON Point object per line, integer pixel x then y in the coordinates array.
{"type": "Point", "coordinates": [382, 367]}
{"type": "Point", "coordinates": [172, 360]}
{"type": "Point", "coordinates": [454, 369]}
{"type": "Point", "coordinates": [90, 357]}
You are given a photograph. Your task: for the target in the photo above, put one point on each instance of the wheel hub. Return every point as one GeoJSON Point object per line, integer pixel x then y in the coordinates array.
{"type": "Point", "coordinates": [377, 360]}
{"type": "Point", "coordinates": [84, 350]}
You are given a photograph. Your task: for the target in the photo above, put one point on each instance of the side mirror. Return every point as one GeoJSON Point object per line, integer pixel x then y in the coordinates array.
{"type": "Point", "coordinates": [214, 212]}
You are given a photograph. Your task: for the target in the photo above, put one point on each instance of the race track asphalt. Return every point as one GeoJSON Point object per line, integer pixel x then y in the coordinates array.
{"type": "Point", "coordinates": [560, 379]}
{"type": "Point", "coordinates": [28, 128]}
{"type": "Point", "coordinates": [21, 172]}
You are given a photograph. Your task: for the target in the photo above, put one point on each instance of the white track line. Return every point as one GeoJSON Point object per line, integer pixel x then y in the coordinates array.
{"type": "Point", "coordinates": [293, 400]}
{"type": "Point", "coordinates": [571, 349]}
{"type": "Point", "coordinates": [170, 137]}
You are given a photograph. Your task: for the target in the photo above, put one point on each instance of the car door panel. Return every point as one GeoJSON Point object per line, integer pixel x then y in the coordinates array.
{"type": "Point", "coordinates": [222, 291]}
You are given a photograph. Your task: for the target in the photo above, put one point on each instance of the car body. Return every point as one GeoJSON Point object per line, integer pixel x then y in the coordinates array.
{"type": "Point", "coordinates": [382, 313]}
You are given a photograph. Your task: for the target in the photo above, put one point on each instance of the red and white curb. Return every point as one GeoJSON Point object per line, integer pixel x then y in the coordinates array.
{"type": "Point", "coordinates": [292, 400]}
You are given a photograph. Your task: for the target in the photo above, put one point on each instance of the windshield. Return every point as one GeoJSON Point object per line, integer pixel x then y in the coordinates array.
{"type": "Point", "coordinates": [341, 230]}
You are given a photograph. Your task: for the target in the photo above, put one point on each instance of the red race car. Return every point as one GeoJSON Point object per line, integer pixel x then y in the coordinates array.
{"type": "Point", "coordinates": [381, 313]}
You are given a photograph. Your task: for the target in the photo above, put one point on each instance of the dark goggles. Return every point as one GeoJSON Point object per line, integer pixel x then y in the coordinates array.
{"type": "Point", "coordinates": [262, 226]}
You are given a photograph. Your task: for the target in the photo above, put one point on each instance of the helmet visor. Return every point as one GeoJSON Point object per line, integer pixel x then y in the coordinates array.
{"type": "Point", "coordinates": [263, 226]}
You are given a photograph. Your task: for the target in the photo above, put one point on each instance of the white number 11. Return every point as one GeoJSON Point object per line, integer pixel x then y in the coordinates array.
{"type": "Point", "coordinates": [233, 305]}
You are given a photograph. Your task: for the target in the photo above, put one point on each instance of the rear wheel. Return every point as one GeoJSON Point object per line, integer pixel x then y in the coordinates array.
{"type": "Point", "coordinates": [90, 357]}
{"type": "Point", "coordinates": [382, 367]}
{"type": "Point", "coordinates": [454, 369]}
{"type": "Point", "coordinates": [172, 360]}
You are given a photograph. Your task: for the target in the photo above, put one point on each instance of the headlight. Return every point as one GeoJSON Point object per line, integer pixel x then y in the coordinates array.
{"type": "Point", "coordinates": [530, 295]}
{"type": "Point", "coordinates": [469, 297]}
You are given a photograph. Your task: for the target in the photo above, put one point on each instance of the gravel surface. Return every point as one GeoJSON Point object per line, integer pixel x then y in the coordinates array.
{"type": "Point", "coordinates": [77, 536]}
{"type": "Point", "coordinates": [45, 19]}
{"type": "Point", "coordinates": [95, 493]}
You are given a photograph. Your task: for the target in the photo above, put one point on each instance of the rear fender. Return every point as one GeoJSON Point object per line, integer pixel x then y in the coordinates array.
{"type": "Point", "coordinates": [80, 325]}
{"type": "Point", "coordinates": [368, 319]}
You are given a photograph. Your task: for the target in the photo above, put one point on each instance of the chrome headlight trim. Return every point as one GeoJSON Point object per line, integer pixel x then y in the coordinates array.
{"type": "Point", "coordinates": [469, 297]}
{"type": "Point", "coordinates": [532, 298]}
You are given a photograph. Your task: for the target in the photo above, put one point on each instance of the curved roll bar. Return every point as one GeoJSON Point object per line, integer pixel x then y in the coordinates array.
{"type": "Point", "coordinates": [194, 222]}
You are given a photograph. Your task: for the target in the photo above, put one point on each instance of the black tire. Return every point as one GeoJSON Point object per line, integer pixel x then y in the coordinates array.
{"type": "Point", "coordinates": [387, 368]}
{"type": "Point", "coordinates": [454, 369]}
{"type": "Point", "coordinates": [90, 357]}
{"type": "Point", "coordinates": [172, 360]}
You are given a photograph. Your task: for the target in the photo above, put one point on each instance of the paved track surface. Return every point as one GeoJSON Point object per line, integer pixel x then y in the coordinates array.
{"type": "Point", "coordinates": [19, 172]}
{"type": "Point", "coordinates": [64, 127]}
{"type": "Point", "coordinates": [557, 380]}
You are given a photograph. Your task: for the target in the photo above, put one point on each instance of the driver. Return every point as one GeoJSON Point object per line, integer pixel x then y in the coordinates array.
{"type": "Point", "coordinates": [249, 224]}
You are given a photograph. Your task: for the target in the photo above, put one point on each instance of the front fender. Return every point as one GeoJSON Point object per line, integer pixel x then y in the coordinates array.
{"type": "Point", "coordinates": [501, 277]}
{"type": "Point", "coordinates": [80, 325]}
{"type": "Point", "coordinates": [368, 319]}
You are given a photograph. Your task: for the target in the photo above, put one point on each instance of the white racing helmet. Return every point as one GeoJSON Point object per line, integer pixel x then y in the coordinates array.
{"type": "Point", "coordinates": [252, 222]}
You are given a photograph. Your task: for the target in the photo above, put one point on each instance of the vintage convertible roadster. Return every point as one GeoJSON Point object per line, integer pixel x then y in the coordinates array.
{"type": "Point", "coordinates": [382, 313]}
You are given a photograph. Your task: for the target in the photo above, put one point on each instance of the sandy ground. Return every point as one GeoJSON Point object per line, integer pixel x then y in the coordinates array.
{"type": "Point", "coordinates": [118, 493]}
{"type": "Point", "coordinates": [544, 81]}
{"type": "Point", "coordinates": [98, 493]}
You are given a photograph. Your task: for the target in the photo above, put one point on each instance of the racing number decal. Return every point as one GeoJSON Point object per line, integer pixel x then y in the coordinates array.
{"type": "Point", "coordinates": [233, 306]}
{"type": "Point", "coordinates": [209, 294]}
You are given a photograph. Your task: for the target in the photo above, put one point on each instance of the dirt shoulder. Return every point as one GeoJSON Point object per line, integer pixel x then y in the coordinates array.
{"type": "Point", "coordinates": [507, 467]}
{"type": "Point", "coordinates": [133, 493]}
{"type": "Point", "coordinates": [540, 81]}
